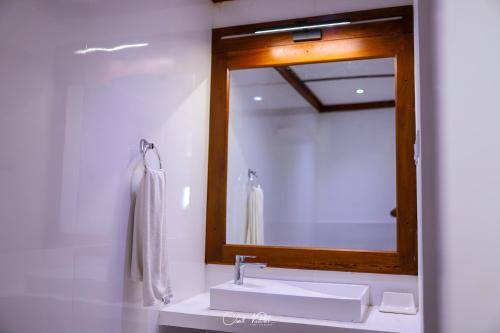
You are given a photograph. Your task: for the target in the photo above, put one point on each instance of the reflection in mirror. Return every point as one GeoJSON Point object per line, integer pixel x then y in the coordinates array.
{"type": "Point", "coordinates": [312, 156]}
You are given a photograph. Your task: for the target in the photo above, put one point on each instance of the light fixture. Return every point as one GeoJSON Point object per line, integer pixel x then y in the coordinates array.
{"type": "Point", "coordinates": [110, 49]}
{"type": "Point", "coordinates": [257, 98]}
{"type": "Point", "coordinates": [360, 91]}
{"type": "Point", "coordinates": [301, 27]}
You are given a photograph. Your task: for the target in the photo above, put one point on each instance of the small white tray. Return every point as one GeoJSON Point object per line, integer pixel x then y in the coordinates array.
{"type": "Point", "coordinates": [398, 303]}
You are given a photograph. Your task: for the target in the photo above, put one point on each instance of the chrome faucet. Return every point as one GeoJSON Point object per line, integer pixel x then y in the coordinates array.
{"type": "Point", "coordinates": [239, 267]}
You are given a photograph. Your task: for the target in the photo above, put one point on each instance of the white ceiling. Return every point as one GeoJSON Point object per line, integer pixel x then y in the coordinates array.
{"type": "Point", "coordinates": [344, 91]}
{"type": "Point", "coordinates": [345, 68]}
{"type": "Point", "coordinates": [267, 83]}
{"type": "Point", "coordinates": [276, 93]}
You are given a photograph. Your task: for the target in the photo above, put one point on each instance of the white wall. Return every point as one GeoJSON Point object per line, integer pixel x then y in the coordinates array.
{"type": "Point", "coordinates": [356, 179]}
{"type": "Point", "coordinates": [69, 129]}
{"type": "Point", "coordinates": [328, 179]}
{"type": "Point", "coordinates": [286, 169]}
{"type": "Point", "coordinates": [460, 81]}
{"type": "Point", "coordinates": [252, 11]}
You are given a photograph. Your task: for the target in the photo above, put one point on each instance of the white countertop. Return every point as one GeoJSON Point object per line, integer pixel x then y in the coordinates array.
{"type": "Point", "coordinates": [195, 313]}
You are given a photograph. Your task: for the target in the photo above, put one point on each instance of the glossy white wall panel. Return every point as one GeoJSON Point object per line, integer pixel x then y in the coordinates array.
{"type": "Point", "coordinates": [460, 164]}
{"type": "Point", "coordinates": [159, 92]}
{"type": "Point", "coordinates": [70, 127]}
{"type": "Point", "coordinates": [25, 126]}
{"type": "Point", "coordinates": [36, 273]}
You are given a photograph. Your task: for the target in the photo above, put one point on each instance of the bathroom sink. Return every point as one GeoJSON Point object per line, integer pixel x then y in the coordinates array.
{"type": "Point", "coordinates": [329, 301]}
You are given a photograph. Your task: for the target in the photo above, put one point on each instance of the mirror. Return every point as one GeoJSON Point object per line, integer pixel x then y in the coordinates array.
{"type": "Point", "coordinates": [311, 150]}
{"type": "Point", "coordinates": [312, 155]}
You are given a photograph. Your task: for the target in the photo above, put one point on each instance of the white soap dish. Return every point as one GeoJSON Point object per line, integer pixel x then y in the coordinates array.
{"type": "Point", "coordinates": [398, 303]}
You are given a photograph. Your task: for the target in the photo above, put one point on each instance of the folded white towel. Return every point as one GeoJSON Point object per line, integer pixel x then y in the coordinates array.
{"type": "Point", "coordinates": [255, 216]}
{"type": "Point", "coordinates": [149, 247]}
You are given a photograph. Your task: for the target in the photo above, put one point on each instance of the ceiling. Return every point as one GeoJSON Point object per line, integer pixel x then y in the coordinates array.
{"type": "Point", "coordinates": [332, 84]}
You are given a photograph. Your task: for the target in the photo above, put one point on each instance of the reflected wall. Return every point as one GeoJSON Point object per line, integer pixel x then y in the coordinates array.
{"type": "Point", "coordinates": [328, 177]}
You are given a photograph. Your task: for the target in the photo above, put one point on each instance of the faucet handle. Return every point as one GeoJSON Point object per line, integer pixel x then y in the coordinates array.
{"type": "Point", "coordinates": [241, 258]}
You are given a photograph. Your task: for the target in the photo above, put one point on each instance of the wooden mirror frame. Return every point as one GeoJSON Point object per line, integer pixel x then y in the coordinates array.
{"type": "Point", "coordinates": [373, 39]}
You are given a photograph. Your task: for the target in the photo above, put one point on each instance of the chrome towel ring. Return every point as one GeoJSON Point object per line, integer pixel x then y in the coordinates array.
{"type": "Point", "coordinates": [144, 147]}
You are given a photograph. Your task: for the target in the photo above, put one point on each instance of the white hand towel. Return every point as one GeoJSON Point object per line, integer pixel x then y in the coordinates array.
{"type": "Point", "coordinates": [149, 256]}
{"type": "Point", "coordinates": [255, 216]}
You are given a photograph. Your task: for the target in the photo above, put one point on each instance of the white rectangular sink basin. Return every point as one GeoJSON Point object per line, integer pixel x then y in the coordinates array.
{"type": "Point", "coordinates": [329, 301]}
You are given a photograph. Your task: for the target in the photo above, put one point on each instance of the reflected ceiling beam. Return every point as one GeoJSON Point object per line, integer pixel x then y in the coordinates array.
{"type": "Point", "coordinates": [377, 76]}
{"type": "Point", "coordinates": [291, 77]}
{"type": "Point", "coordinates": [300, 86]}
{"type": "Point", "coordinates": [359, 106]}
